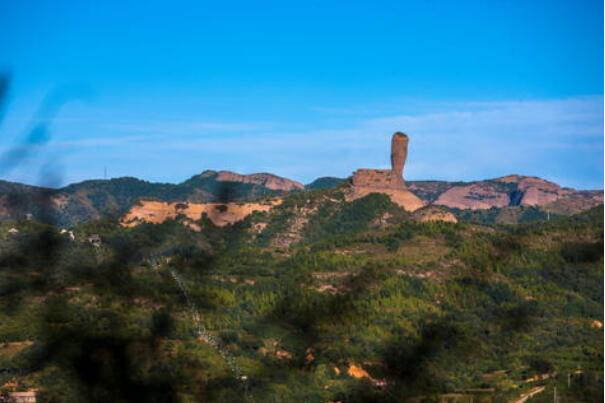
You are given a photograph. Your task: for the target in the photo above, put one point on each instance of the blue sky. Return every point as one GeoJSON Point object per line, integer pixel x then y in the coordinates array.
{"type": "Point", "coordinates": [164, 90]}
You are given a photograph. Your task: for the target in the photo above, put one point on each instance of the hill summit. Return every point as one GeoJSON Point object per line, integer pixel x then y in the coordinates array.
{"type": "Point", "coordinates": [267, 180]}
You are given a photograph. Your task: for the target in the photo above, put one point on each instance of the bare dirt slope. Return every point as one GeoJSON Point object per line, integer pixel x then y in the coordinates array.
{"type": "Point", "coordinates": [220, 214]}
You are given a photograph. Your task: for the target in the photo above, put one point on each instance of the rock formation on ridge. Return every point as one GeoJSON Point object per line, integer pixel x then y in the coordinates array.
{"type": "Point", "coordinates": [388, 181]}
{"type": "Point", "coordinates": [399, 153]}
{"type": "Point", "coordinates": [517, 190]}
{"type": "Point", "coordinates": [434, 213]}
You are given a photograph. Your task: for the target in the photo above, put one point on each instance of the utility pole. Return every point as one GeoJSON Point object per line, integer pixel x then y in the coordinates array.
{"type": "Point", "coordinates": [105, 172]}
{"type": "Point", "coordinates": [554, 398]}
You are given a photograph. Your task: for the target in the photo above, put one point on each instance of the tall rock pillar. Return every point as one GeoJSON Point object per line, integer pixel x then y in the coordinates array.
{"type": "Point", "coordinates": [387, 181]}
{"type": "Point", "coordinates": [399, 153]}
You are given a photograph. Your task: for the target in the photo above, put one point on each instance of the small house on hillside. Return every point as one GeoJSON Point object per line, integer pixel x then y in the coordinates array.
{"type": "Point", "coordinates": [13, 231]}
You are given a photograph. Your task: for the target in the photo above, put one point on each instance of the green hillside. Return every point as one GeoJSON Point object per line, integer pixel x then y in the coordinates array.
{"type": "Point", "coordinates": [109, 199]}
{"type": "Point", "coordinates": [326, 182]}
{"type": "Point", "coordinates": [291, 305]}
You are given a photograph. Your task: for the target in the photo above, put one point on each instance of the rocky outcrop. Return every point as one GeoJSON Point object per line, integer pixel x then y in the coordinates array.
{"type": "Point", "coordinates": [535, 191]}
{"type": "Point", "coordinates": [387, 181]}
{"type": "Point", "coordinates": [386, 178]}
{"type": "Point", "coordinates": [399, 153]}
{"type": "Point", "coordinates": [433, 213]}
{"type": "Point", "coordinates": [510, 191]}
{"type": "Point", "coordinates": [377, 178]}
{"type": "Point", "coordinates": [474, 196]}
{"type": "Point", "coordinates": [266, 180]}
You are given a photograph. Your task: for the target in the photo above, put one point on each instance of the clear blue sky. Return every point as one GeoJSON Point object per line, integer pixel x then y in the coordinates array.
{"type": "Point", "coordinates": [307, 89]}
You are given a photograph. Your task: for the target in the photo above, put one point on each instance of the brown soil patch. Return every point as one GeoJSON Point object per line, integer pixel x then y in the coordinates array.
{"type": "Point", "coordinates": [357, 372]}
{"type": "Point", "coordinates": [221, 214]}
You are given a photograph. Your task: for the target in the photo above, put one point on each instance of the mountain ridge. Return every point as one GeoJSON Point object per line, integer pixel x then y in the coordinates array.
{"type": "Point", "coordinates": [100, 198]}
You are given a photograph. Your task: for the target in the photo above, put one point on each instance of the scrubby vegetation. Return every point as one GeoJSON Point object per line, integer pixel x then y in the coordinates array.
{"type": "Point", "coordinates": [365, 305]}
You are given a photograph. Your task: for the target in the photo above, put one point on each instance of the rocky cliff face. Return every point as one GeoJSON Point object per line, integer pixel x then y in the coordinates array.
{"type": "Point", "coordinates": [510, 191]}
{"type": "Point", "coordinates": [535, 191]}
{"type": "Point", "coordinates": [474, 196]}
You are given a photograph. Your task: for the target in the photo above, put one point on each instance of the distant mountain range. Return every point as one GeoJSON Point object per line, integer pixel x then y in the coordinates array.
{"type": "Point", "coordinates": [96, 199]}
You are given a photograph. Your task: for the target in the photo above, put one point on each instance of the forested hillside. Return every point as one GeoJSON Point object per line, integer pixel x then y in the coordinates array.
{"type": "Point", "coordinates": [316, 300]}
